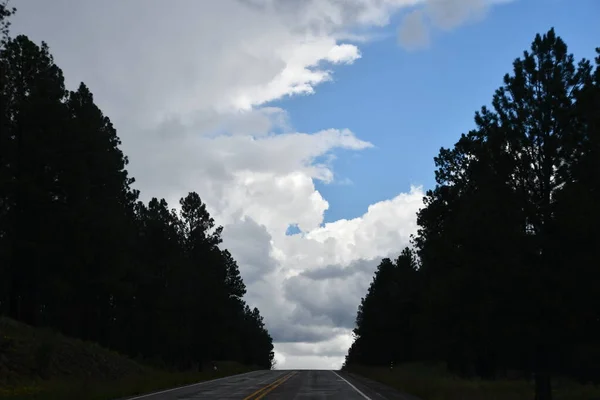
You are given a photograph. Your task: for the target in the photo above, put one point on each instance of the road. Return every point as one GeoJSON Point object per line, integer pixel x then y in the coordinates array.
{"type": "Point", "coordinates": [283, 384]}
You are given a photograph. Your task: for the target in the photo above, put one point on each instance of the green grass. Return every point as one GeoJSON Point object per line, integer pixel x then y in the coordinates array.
{"type": "Point", "coordinates": [433, 382]}
{"type": "Point", "coordinates": [39, 364]}
{"type": "Point", "coordinates": [94, 389]}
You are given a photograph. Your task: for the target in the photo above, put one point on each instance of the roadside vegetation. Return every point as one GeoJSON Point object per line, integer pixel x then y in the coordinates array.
{"type": "Point", "coordinates": [434, 382]}
{"type": "Point", "coordinates": [38, 363]}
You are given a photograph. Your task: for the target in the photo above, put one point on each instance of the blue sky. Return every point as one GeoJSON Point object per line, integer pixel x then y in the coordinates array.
{"type": "Point", "coordinates": [410, 103]}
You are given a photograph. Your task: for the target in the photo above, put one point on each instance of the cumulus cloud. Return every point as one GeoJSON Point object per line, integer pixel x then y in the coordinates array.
{"type": "Point", "coordinates": [339, 271]}
{"type": "Point", "coordinates": [263, 174]}
{"type": "Point", "coordinates": [328, 354]}
{"type": "Point", "coordinates": [256, 122]}
{"type": "Point", "coordinates": [251, 243]}
{"type": "Point", "coordinates": [334, 347]}
{"type": "Point", "coordinates": [188, 86]}
{"type": "Point", "coordinates": [286, 332]}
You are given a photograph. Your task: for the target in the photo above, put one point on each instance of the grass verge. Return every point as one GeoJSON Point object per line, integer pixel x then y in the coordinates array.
{"type": "Point", "coordinates": [92, 389]}
{"type": "Point", "coordinates": [433, 382]}
{"type": "Point", "coordinates": [40, 364]}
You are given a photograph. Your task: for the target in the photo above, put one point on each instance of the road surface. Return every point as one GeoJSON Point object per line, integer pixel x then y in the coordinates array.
{"type": "Point", "coordinates": [283, 384]}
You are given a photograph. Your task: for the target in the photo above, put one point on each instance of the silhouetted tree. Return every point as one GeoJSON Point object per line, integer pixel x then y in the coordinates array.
{"type": "Point", "coordinates": [508, 240]}
{"type": "Point", "coordinates": [81, 254]}
{"type": "Point", "coordinates": [386, 315]}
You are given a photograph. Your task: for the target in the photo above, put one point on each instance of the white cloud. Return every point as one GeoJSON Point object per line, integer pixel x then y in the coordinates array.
{"type": "Point", "coordinates": [187, 86]}
{"type": "Point", "coordinates": [300, 74]}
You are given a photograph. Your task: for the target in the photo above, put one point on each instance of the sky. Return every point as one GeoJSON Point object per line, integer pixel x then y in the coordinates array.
{"type": "Point", "coordinates": [308, 127]}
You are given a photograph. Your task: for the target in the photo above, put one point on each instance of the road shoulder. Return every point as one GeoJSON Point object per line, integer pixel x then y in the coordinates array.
{"type": "Point", "coordinates": [373, 389]}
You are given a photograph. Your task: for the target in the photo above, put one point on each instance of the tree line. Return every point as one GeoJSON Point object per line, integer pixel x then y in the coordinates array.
{"type": "Point", "coordinates": [504, 272]}
{"type": "Point", "coordinates": [79, 252]}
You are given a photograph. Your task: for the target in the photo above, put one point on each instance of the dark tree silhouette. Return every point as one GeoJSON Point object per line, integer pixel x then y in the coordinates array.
{"type": "Point", "coordinates": [508, 243]}
{"type": "Point", "coordinates": [80, 253]}
{"type": "Point", "coordinates": [385, 315]}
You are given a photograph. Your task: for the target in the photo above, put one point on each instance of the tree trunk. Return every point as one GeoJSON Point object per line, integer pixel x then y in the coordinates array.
{"type": "Point", "coordinates": [543, 386]}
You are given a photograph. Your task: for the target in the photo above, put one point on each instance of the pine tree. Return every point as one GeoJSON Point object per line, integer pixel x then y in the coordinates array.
{"type": "Point", "coordinates": [79, 253]}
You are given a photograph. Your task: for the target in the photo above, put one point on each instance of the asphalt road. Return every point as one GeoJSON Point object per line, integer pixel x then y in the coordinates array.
{"type": "Point", "coordinates": [283, 384]}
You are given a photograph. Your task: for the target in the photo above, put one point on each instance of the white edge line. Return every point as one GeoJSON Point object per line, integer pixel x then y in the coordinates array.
{"type": "Point", "coordinates": [187, 386]}
{"type": "Point", "coordinates": [352, 386]}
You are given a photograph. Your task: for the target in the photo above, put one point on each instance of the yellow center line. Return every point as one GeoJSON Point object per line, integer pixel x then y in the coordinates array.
{"type": "Point", "coordinates": [275, 386]}
{"type": "Point", "coordinates": [276, 383]}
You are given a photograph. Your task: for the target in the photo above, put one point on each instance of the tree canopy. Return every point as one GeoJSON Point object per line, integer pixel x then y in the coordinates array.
{"type": "Point", "coordinates": [508, 241]}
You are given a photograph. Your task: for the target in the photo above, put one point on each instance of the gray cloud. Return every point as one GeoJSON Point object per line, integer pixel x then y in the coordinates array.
{"type": "Point", "coordinates": [415, 28]}
{"type": "Point", "coordinates": [325, 16]}
{"type": "Point", "coordinates": [284, 332]}
{"type": "Point", "coordinates": [340, 272]}
{"type": "Point", "coordinates": [448, 14]}
{"type": "Point", "coordinates": [413, 32]}
{"type": "Point", "coordinates": [331, 301]}
{"type": "Point", "coordinates": [250, 242]}
{"type": "Point", "coordinates": [294, 349]}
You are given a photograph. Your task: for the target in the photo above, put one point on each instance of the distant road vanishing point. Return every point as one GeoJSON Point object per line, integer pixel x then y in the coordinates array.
{"type": "Point", "coordinates": [283, 384]}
